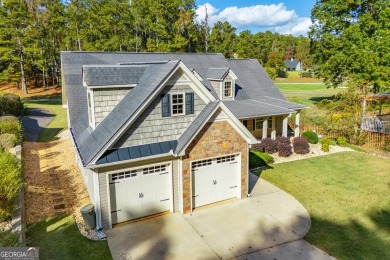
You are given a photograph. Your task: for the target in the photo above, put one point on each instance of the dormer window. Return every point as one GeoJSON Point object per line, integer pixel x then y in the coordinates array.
{"type": "Point", "coordinates": [227, 89]}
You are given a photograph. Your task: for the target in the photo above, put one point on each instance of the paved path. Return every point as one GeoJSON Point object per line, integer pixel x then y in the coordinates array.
{"type": "Point", "coordinates": [33, 123]}
{"type": "Point", "coordinates": [270, 219]}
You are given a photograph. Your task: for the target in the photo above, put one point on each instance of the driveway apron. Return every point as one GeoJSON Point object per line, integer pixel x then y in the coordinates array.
{"type": "Point", "coordinates": [270, 217]}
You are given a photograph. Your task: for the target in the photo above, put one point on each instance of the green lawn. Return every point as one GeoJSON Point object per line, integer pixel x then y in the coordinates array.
{"type": "Point", "coordinates": [59, 122]}
{"type": "Point", "coordinates": [307, 94]}
{"type": "Point", "coordinates": [59, 238]}
{"type": "Point", "coordinates": [348, 198]}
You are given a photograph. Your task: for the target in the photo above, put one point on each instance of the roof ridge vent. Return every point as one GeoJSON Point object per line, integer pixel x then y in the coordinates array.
{"type": "Point", "coordinates": [145, 62]}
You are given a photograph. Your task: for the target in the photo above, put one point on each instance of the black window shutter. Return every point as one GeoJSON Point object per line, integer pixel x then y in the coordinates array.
{"type": "Point", "coordinates": [165, 105]}
{"type": "Point", "coordinates": [190, 103]}
{"type": "Point", "coordinates": [254, 125]}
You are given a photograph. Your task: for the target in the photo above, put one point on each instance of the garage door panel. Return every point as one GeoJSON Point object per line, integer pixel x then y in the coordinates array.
{"type": "Point", "coordinates": [145, 192]}
{"type": "Point", "coordinates": [216, 181]}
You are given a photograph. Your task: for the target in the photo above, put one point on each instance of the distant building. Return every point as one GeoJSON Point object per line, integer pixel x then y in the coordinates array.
{"type": "Point", "coordinates": [292, 65]}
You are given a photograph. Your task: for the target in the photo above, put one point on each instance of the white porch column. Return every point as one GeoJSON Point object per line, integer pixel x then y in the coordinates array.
{"type": "Point", "coordinates": [273, 131]}
{"type": "Point", "coordinates": [297, 118]}
{"type": "Point", "coordinates": [265, 128]}
{"type": "Point", "coordinates": [285, 124]}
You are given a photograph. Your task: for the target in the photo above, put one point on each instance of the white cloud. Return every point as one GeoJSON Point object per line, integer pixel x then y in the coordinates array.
{"type": "Point", "coordinates": [295, 27]}
{"type": "Point", "coordinates": [274, 17]}
{"type": "Point", "coordinates": [257, 15]}
{"type": "Point", "coordinates": [201, 13]}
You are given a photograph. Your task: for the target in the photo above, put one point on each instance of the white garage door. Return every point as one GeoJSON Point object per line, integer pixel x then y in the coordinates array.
{"type": "Point", "coordinates": [215, 180]}
{"type": "Point", "coordinates": [139, 193]}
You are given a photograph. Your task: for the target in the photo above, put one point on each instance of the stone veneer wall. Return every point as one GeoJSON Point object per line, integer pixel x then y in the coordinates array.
{"type": "Point", "coordinates": [215, 139]}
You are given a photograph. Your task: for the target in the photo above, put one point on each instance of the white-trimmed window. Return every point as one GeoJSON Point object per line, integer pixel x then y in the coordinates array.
{"type": "Point", "coordinates": [91, 116]}
{"type": "Point", "coordinates": [178, 105]}
{"type": "Point", "coordinates": [227, 89]}
{"type": "Point", "coordinates": [258, 124]}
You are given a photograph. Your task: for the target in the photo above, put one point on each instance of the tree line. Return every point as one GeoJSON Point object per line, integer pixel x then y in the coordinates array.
{"type": "Point", "coordinates": [348, 43]}
{"type": "Point", "coordinates": [34, 32]}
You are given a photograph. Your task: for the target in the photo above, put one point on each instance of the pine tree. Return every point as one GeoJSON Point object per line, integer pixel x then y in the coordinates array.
{"type": "Point", "coordinates": [350, 43]}
{"type": "Point", "coordinates": [15, 26]}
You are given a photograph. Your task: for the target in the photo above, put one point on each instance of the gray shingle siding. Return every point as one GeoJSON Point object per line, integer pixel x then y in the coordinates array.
{"type": "Point", "coordinates": [105, 100]}
{"type": "Point", "coordinates": [151, 127]}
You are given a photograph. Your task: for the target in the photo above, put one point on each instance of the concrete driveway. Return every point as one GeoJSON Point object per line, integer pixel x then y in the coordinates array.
{"type": "Point", "coordinates": [237, 229]}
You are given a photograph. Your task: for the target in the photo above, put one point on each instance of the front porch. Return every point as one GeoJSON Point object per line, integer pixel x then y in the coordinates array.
{"type": "Point", "coordinates": [271, 126]}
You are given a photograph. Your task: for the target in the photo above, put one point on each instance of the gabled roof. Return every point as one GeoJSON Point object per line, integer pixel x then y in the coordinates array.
{"type": "Point", "coordinates": [291, 64]}
{"type": "Point", "coordinates": [203, 118]}
{"type": "Point", "coordinates": [217, 73]}
{"type": "Point", "coordinates": [104, 75]}
{"type": "Point", "coordinates": [256, 95]}
{"type": "Point", "coordinates": [89, 142]}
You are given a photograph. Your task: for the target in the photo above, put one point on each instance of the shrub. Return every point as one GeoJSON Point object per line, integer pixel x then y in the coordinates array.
{"type": "Point", "coordinates": [257, 148]}
{"type": "Point", "coordinates": [268, 145]}
{"type": "Point", "coordinates": [10, 182]}
{"type": "Point", "coordinates": [8, 238]}
{"type": "Point", "coordinates": [282, 140]}
{"type": "Point", "coordinates": [10, 104]}
{"type": "Point", "coordinates": [342, 141]}
{"type": "Point", "coordinates": [258, 159]}
{"type": "Point", "coordinates": [8, 119]}
{"type": "Point", "coordinates": [285, 150]}
{"type": "Point", "coordinates": [325, 145]}
{"type": "Point", "coordinates": [11, 127]}
{"type": "Point", "coordinates": [8, 140]}
{"type": "Point", "coordinates": [301, 146]}
{"type": "Point", "coordinates": [310, 136]}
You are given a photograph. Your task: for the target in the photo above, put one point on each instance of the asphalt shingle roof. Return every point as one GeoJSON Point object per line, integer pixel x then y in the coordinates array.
{"type": "Point", "coordinates": [253, 108]}
{"type": "Point", "coordinates": [90, 142]}
{"type": "Point", "coordinates": [217, 73]}
{"type": "Point", "coordinates": [256, 95]}
{"type": "Point", "coordinates": [95, 75]}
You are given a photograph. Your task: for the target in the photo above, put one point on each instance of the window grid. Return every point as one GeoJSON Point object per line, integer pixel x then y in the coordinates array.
{"type": "Point", "coordinates": [230, 158]}
{"type": "Point", "coordinates": [153, 170]}
{"type": "Point", "coordinates": [177, 104]}
{"type": "Point", "coordinates": [123, 175]}
{"type": "Point", "coordinates": [201, 163]}
{"type": "Point", "coordinates": [259, 124]}
{"type": "Point", "coordinates": [227, 90]}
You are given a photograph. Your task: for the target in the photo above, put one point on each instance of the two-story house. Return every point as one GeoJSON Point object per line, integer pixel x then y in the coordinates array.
{"type": "Point", "coordinates": [166, 132]}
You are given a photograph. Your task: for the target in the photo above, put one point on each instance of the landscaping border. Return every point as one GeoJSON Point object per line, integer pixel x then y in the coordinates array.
{"type": "Point", "coordinates": [18, 216]}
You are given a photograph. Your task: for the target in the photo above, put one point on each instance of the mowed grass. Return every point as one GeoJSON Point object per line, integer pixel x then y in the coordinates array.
{"type": "Point", "coordinates": [59, 238]}
{"type": "Point", "coordinates": [307, 94]}
{"type": "Point", "coordinates": [59, 122]}
{"type": "Point", "coordinates": [348, 198]}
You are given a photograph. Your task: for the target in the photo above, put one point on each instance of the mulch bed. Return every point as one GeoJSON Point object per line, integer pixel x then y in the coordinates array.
{"type": "Point", "coordinates": [54, 184]}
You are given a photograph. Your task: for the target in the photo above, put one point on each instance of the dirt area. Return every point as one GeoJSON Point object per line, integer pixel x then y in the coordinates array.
{"type": "Point", "coordinates": [54, 185]}
{"type": "Point", "coordinates": [50, 92]}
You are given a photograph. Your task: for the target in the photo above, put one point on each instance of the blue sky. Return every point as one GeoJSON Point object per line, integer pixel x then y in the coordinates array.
{"type": "Point", "coordinates": [285, 17]}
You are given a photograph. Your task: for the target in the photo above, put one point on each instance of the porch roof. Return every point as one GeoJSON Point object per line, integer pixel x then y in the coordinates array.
{"type": "Point", "coordinates": [253, 108]}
